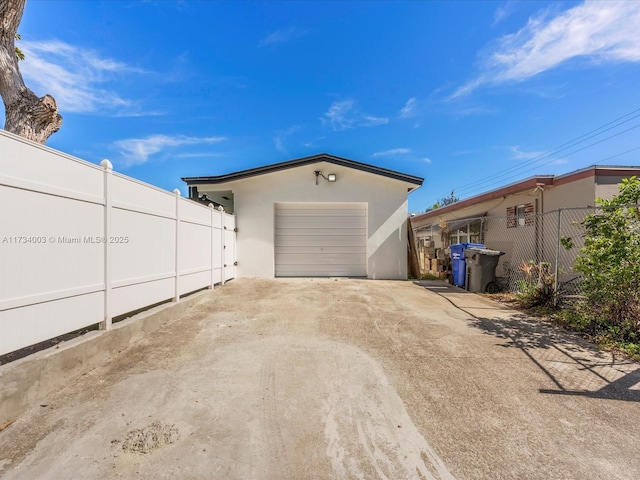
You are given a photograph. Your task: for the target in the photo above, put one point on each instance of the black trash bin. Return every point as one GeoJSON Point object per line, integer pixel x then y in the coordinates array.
{"type": "Point", "coordinates": [481, 269]}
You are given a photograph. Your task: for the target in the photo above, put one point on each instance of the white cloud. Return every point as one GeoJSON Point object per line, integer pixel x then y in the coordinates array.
{"type": "Point", "coordinates": [598, 31]}
{"type": "Point", "coordinates": [409, 109]}
{"type": "Point", "coordinates": [277, 141]}
{"type": "Point", "coordinates": [198, 155]}
{"type": "Point", "coordinates": [469, 87]}
{"type": "Point", "coordinates": [502, 12]}
{"type": "Point", "coordinates": [136, 151]}
{"type": "Point", "coordinates": [280, 36]}
{"type": "Point", "coordinates": [426, 160]}
{"type": "Point", "coordinates": [338, 115]}
{"type": "Point", "coordinates": [560, 161]}
{"type": "Point", "coordinates": [73, 76]}
{"type": "Point", "coordinates": [371, 121]}
{"type": "Point", "coordinates": [282, 135]}
{"type": "Point", "coordinates": [476, 110]}
{"type": "Point", "coordinates": [344, 114]}
{"type": "Point", "coordinates": [517, 154]}
{"type": "Point", "coordinates": [393, 152]}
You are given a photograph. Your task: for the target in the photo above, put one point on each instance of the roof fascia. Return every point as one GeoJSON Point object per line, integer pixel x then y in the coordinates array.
{"type": "Point", "coordinates": [512, 189]}
{"type": "Point", "coordinates": [551, 180]}
{"type": "Point", "coordinates": [252, 172]}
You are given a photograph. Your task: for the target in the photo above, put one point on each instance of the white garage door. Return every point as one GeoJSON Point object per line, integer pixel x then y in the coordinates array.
{"type": "Point", "coordinates": [321, 239]}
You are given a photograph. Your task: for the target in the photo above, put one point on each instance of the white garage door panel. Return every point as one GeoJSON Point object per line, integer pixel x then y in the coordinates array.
{"type": "Point", "coordinates": [316, 221]}
{"type": "Point", "coordinates": [321, 271]}
{"type": "Point", "coordinates": [321, 232]}
{"type": "Point", "coordinates": [319, 249]}
{"type": "Point", "coordinates": [320, 239]}
{"type": "Point", "coordinates": [320, 259]}
{"type": "Point", "coordinates": [319, 209]}
{"type": "Point", "coordinates": [310, 241]}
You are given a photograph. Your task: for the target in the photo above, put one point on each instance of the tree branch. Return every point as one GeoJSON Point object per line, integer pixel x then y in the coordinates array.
{"type": "Point", "coordinates": [25, 114]}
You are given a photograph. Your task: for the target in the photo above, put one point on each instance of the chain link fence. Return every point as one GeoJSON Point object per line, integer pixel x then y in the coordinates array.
{"type": "Point", "coordinates": [533, 245]}
{"type": "Point", "coordinates": [538, 244]}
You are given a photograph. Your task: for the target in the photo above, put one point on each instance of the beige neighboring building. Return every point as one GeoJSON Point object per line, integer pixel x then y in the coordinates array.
{"type": "Point", "coordinates": [317, 216]}
{"type": "Point", "coordinates": [517, 219]}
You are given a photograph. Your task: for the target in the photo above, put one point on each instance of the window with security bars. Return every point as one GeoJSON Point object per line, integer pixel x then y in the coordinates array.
{"type": "Point", "coordinates": [520, 215]}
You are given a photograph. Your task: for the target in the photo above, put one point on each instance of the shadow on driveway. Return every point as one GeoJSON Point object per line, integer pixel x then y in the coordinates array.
{"type": "Point", "coordinates": [574, 365]}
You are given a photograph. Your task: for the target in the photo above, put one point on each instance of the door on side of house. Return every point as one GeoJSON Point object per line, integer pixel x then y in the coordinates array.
{"type": "Point", "coordinates": [320, 239]}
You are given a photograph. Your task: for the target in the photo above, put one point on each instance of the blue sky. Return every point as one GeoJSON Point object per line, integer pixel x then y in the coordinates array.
{"type": "Point", "coordinates": [470, 95]}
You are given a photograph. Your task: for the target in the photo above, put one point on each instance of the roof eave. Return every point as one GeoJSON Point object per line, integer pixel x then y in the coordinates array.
{"type": "Point", "coordinates": [517, 187]}
{"type": "Point", "coordinates": [411, 179]}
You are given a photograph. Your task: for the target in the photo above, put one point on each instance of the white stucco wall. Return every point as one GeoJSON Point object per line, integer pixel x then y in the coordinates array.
{"type": "Point", "coordinates": [255, 197]}
{"type": "Point", "coordinates": [608, 186]}
{"type": "Point", "coordinates": [579, 193]}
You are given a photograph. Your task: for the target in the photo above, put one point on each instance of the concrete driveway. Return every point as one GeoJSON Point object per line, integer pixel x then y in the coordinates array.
{"type": "Point", "coordinates": [340, 378]}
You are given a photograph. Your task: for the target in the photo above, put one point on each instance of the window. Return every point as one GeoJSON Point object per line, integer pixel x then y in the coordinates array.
{"type": "Point", "coordinates": [425, 242]}
{"type": "Point", "coordinates": [468, 232]}
{"type": "Point", "coordinates": [520, 213]}
{"type": "Point", "coordinates": [460, 235]}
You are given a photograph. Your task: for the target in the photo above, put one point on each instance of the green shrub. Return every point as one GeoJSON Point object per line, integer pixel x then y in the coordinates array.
{"type": "Point", "coordinates": [610, 262]}
{"type": "Point", "coordinates": [537, 288]}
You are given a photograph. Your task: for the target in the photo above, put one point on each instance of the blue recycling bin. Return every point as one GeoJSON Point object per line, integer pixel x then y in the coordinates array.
{"type": "Point", "coordinates": [459, 264]}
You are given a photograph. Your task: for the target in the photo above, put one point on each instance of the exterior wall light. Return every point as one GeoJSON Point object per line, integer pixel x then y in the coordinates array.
{"type": "Point", "coordinates": [329, 178]}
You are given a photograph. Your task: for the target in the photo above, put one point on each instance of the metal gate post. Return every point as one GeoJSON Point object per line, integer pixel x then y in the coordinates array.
{"type": "Point", "coordinates": [555, 273]}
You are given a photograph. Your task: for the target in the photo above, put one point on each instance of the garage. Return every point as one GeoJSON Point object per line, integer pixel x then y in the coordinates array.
{"type": "Point", "coordinates": [320, 239]}
{"type": "Point", "coordinates": [316, 216]}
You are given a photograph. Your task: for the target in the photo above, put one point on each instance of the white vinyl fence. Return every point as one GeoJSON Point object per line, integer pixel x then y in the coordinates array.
{"type": "Point", "coordinates": [81, 244]}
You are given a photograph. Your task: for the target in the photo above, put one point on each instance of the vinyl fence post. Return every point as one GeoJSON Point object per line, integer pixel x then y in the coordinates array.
{"type": "Point", "coordinates": [211, 256]}
{"type": "Point", "coordinates": [555, 273]}
{"type": "Point", "coordinates": [222, 246]}
{"type": "Point", "coordinates": [107, 176]}
{"type": "Point", "coordinates": [176, 297]}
